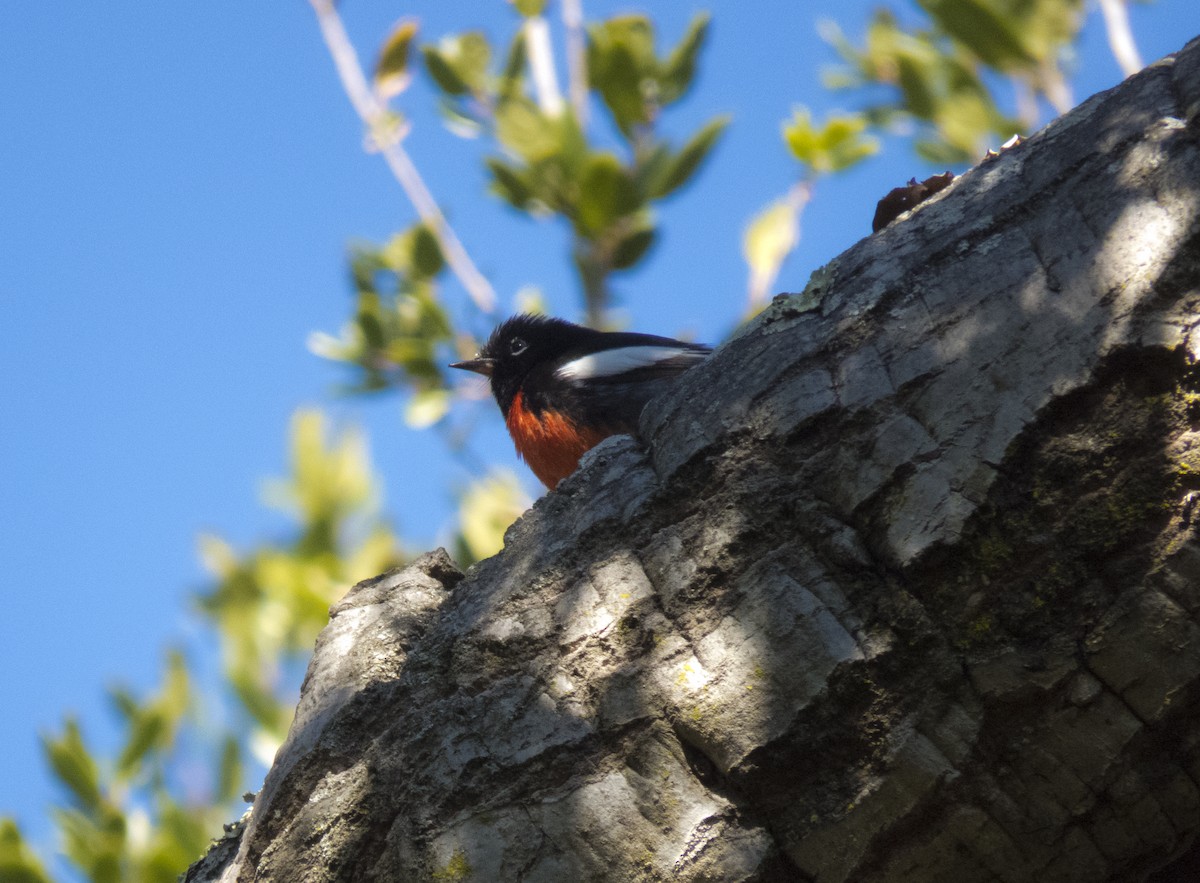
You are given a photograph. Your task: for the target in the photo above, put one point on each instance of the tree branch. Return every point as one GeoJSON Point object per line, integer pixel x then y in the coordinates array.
{"type": "Point", "coordinates": [376, 119]}
{"type": "Point", "coordinates": [1120, 36]}
{"type": "Point", "coordinates": [541, 65]}
{"type": "Point", "coordinates": [577, 76]}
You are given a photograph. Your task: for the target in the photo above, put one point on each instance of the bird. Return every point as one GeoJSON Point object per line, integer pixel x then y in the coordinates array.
{"type": "Point", "coordinates": [563, 388]}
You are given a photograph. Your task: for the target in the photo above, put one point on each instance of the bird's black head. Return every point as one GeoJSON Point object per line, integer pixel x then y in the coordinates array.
{"type": "Point", "coordinates": [521, 343]}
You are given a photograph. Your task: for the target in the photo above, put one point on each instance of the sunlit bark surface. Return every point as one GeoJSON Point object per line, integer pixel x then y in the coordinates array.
{"type": "Point", "coordinates": [904, 587]}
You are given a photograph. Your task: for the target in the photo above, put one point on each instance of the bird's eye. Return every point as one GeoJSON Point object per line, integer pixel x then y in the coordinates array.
{"type": "Point", "coordinates": [516, 346]}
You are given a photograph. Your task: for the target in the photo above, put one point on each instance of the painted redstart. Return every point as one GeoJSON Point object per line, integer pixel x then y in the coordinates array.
{"type": "Point", "coordinates": [563, 388]}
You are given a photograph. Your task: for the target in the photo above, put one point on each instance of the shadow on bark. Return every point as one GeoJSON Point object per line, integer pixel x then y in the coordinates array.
{"type": "Point", "coordinates": [905, 587]}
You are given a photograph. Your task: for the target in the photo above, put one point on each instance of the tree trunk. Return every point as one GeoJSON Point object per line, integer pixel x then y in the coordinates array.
{"type": "Point", "coordinates": [903, 587]}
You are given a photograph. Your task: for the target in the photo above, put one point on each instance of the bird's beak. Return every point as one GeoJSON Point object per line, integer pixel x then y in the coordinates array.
{"type": "Point", "coordinates": [479, 366]}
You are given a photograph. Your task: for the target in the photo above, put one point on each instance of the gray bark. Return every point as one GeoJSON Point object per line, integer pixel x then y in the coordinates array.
{"type": "Point", "coordinates": [903, 585]}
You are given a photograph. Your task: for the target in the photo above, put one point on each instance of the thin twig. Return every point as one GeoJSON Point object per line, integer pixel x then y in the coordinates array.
{"type": "Point", "coordinates": [1120, 36]}
{"type": "Point", "coordinates": [374, 117]}
{"type": "Point", "coordinates": [572, 14]}
{"type": "Point", "coordinates": [594, 270]}
{"type": "Point", "coordinates": [1054, 86]}
{"type": "Point", "coordinates": [1026, 102]}
{"type": "Point", "coordinates": [541, 65]}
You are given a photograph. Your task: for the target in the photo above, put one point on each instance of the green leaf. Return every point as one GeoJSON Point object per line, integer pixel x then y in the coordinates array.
{"type": "Point", "coordinates": [152, 725]}
{"type": "Point", "coordinates": [529, 8]}
{"type": "Point", "coordinates": [370, 320]}
{"type": "Point", "coordinates": [801, 137]}
{"type": "Point", "coordinates": [606, 193]}
{"type": "Point", "coordinates": [573, 147]}
{"type": "Point", "coordinates": [509, 183]}
{"type": "Point", "coordinates": [468, 55]}
{"type": "Point", "coordinates": [259, 702]}
{"type": "Point", "coordinates": [1047, 26]}
{"type": "Point", "coordinates": [146, 734]}
{"type": "Point", "coordinates": [18, 863]}
{"type": "Point", "coordinates": [623, 69]}
{"type": "Point", "coordinates": [769, 239]}
{"type": "Point", "coordinates": [92, 844]}
{"type": "Point", "coordinates": [916, 84]}
{"type": "Point", "coordinates": [634, 32]}
{"type": "Point", "coordinates": [462, 118]}
{"type": "Point", "coordinates": [364, 264]}
{"type": "Point", "coordinates": [990, 33]}
{"type": "Point", "coordinates": [426, 408]}
{"type": "Point", "coordinates": [459, 64]}
{"type": "Point", "coordinates": [633, 246]}
{"type": "Point", "coordinates": [74, 766]}
{"type": "Point", "coordinates": [620, 87]}
{"type": "Point", "coordinates": [651, 165]}
{"type": "Point", "coordinates": [182, 834]}
{"type": "Point", "coordinates": [229, 770]}
{"type": "Point", "coordinates": [486, 510]}
{"type": "Point", "coordinates": [328, 346]}
{"type": "Point", "coordinates": [176, 695]}
{"type": "Point", "coordinates": [124, 702]}
{"type": "Point", "coordinates": [526, 131]}
{"type": "Point", "coordinates": [443, 72]}
{"type": "Point", "coordinates": [961, 119]}
{"type": "Point", "coordinates": [845, 143]}
{"type": "Point", "coordinates": [939, 78]}
{"type": "Point", "coordinates": [680, 67]}
{"type": "Point", "coordinates": [426, 260]}
{"type": "Point", "coordinates": [529, 299]}
{"type": "Point", "coordinates": [938, 152]}
{"type": "Point", "coordinates": [391, 70]}
{"type": "Point", "coordinates": [513, 74]}
{"type": "Point", "coordinates": [833, 147]}
{"type": "Point", "coordinates": [679, 169]}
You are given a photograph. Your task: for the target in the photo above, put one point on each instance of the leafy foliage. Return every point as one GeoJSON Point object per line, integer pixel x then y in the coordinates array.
{"type": "Point", "coordinates": [122, 819]}
{"type": "Point", "coordinates": [550, 164]}
{"type": "Point", "coordinates": [269, 606]}
{"type": "Point", "coordinates": [941, 76]}
{"type": "Point", "coordinates": [401, 328]}
{"type": "Point", "coordinates": [485, 512]}
{"type": "Point", "coordinates": [938, 74]}
{"type": "Point", "coordinates": [18, 863]}
{"type": "Point", "coordinates": [833, 147]}
{"type": "Point", "coordinates": [631, 79]}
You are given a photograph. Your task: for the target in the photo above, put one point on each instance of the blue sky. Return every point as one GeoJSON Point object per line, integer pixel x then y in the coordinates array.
{"type": "Point", "coordinates": [180, 182]}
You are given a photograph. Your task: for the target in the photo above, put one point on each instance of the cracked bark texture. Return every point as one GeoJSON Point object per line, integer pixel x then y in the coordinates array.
{"type": "Point", "coordinates": [904, 585]}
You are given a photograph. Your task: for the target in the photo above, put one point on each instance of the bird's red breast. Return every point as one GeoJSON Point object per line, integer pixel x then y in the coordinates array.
{"type": "Point", "coordinates": [563, 388]}
{"type": "Point", "coordinates": [550, 442]}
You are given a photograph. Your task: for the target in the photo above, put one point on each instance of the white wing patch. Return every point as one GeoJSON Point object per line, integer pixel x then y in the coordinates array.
{"type": "Point", "coordinates": [610, 363]}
